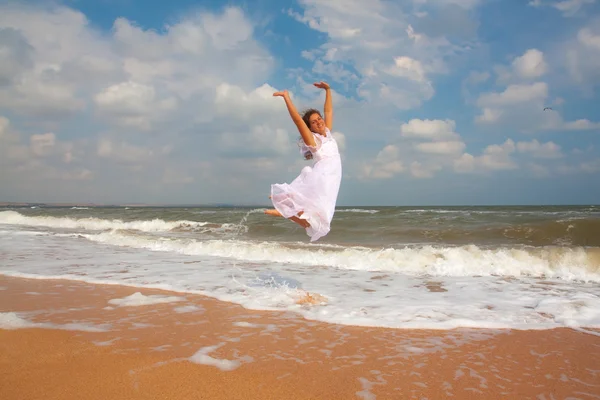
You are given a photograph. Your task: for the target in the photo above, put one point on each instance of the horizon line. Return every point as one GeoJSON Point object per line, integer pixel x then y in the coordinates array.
{"type": "Point", "coordinates": [229, 205]}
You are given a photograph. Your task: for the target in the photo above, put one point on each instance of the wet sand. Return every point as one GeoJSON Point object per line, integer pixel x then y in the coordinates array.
{"type": "Point", "coordinates": [69, 341]}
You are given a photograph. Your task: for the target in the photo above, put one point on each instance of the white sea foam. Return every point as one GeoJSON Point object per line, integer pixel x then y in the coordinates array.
{"type": "Point", "coordinates": [96, 224]}
{"type": "Point", "coordinates": [565, 263]}
{"type": "Point", "coordinates": [202, 357]}
{"type": "Point", "coordinates": [13, 320]}
{"type": "Point", "coordinates": [356, 210]}
{"type": "Point", "coordinates": [187, 309]}
{"type": "Point", "coordinates": [244, 324]}
{"type": "Point", "coordinates": [138, 299]}
{"type": "Point", "coordinates": [361, 286]}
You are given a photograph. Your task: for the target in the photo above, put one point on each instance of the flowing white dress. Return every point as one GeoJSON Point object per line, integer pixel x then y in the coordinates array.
{"type": "Point", "coordinates": [314, 192]}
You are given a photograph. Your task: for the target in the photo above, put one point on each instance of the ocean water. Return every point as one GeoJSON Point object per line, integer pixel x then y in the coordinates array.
{"type": "Point", "coordinates": [396, 267]}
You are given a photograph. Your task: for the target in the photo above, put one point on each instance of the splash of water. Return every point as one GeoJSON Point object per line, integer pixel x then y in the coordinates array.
{"type": "Point", "coordinates": [242, 223]}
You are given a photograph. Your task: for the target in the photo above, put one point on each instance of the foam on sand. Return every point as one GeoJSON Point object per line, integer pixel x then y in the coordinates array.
{"type": "Point", "coordinates": [168, 356]}
{"type": "Point", "coordinates": [202, 357]}
{"type": "Point", "coordinates": [138, 299]}
{"type": "Point", "coordinates": [13, 320]}
{"type": "Point", "coordinates": [187, 309]}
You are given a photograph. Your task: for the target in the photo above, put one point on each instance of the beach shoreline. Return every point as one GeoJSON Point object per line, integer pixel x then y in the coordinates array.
{"type": "Point", "coordinates": [80, 340]}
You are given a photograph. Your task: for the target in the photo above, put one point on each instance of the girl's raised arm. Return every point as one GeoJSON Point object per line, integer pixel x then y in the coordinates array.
{"type": "Point", "coordinates": [328, 108]}
{"type": "Point", "coordinates": [306, 134]}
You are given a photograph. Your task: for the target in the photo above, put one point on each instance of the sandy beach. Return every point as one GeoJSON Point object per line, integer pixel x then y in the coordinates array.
{"type": "Point", "coordinates": [68, 340]}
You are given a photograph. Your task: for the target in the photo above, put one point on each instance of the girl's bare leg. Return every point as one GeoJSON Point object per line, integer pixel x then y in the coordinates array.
{"type": "Point", "coordinates": [302, 222]}
{"type": "Point", "coordinates": [273, 212]}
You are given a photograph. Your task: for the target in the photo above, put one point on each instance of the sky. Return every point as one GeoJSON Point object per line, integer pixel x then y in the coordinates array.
{"type": "Point", "coordinates": [436, 102]}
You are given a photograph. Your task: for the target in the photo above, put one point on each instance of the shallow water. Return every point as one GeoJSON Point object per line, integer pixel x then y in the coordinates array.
{"type": "Point", "coordinates": [495, 267]}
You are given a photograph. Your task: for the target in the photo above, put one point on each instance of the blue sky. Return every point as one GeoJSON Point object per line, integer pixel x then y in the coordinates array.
{"type": "Point", "coordinates": [436, 101]}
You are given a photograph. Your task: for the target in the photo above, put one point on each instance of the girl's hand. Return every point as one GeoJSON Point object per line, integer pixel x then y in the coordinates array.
{"type": "Point", "coordinates": [321, 85]}
{"type": "Point", "coordinates": [283, 93]}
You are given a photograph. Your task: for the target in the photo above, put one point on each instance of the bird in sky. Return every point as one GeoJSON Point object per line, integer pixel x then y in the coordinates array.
{"type": "Point", "coordinates": [548, 108]}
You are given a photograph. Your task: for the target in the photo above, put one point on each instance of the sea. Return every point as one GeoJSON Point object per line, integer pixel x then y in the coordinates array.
{"type": "Point", "coordinates": [517, 267]}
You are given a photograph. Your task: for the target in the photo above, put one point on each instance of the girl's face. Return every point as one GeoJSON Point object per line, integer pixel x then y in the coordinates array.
{"type": "Point", "coordinates": [317, 124]}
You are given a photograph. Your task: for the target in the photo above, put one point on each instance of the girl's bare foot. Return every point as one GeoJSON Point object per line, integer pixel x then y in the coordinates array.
{"type": "Point", "coordinates": [302, 222]}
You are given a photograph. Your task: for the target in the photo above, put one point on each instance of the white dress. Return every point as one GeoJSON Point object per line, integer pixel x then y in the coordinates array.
{"type": "Point", "coordinates": [314, 192]}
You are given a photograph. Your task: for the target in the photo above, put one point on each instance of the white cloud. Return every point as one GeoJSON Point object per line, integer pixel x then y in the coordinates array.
{"type": "Point", "coordinates": [385, 166]}
{"type": "Point", "coordinates": [489, 115]}
{"type": "Point", "coordinates": [421, 171]}
{"type": "Point", "coordinates": [588, 167]}
{"type": "Point", "coordinates": [494, 157]}
{"type": "Point", "coordinates": [173, 176]}
{"type": "Point", "coordinates": [448, 147]}
{"type": "Point", "coordinates": [133, 104]}
{"type": "Point", "coordinates": [340, 138]}
{"type": "Point", "coordinates": [522, 107]}
{"type": "Point", "coordinates": [190, 104]}
{"type": "Point", "coordinates": [476, 77]}
{"type": "Point", "coordinates": [121, 151]}
{"type": "Point", "coordinates": [407, 67]}
{"type": "Point", "coordinates": [42, 144]}
{"type": "Point", "coordinates": [523, 69]}
{"type": "Point", "coordinates": [571, 7]}
{"type": "Point", "coordinates": [589, 39]}
{"type": "Point", "coordinates": [259, 140]}
{"type": "Point", "coordinates": [519, 106]}
{"type": "Point", "coordinates": [373, 45]}
{"type": "Point", "coordinates": [515, 94]}
{"type": "Point", "coordinates": [429, 129]}
{"type": "Point", "coordinates": [233, 101]}
{"type": "Point", "coordinates": [580, 56]}
{"type": "Point", "coordinates": [4, 124]}
{"type": "Point", "coordinates": [581, 125]}
{"type": "Point", "coordinates": [568, 8]}
{"type": "Point", "coordinates": [539, 150]}
{"type": "Point", "coordinates": [55, 64]}
{"type": "Point", "coordinates": [530, 65]}
{"type": "Point", "coordinates": [437, 145]}
{"type": "Point", "coordinates": [57, 61]}
{"type": "Point", "coordinates": [38, 157]}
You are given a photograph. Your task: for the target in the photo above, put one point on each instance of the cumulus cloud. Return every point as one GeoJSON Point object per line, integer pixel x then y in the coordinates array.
{"type": "Point", "coordinates": [539, 150]}
{"type": "Point", "coordinates": [530, 65]}
{"type": "Point", "coordinates": [436, 144]}
{"type": "Point", "coordinates": [494, 157]}
{"type": "Point", "coordinates": [385, 165]}
{"type": "Point", "coordinates": [189, 104]}
{"type": "Point", "coordinates": [57, 63]}
{"type": "Point", "coordinates": [375, 47]}
{"type": "Point", "coordinates": [38, 157]}
{"type": "Point", "coordinates": [133, 104]}
{"type": "Point", "coordinates": [522, 104]}
{"type": "Point", "coordinates": [581, 55]}
{"type": "Point", "coordinates": [42, 144]}
{"type": "Point", "coordinates": [168, 85]}
{"type": "Point", "coordinates": [447, 147]}
{"type": "Point", "coordinates": [429, 129]}
{"type": "Point", "coordinates": [568, 8]}
{"type": "Point", "coordinates": [538, 159]}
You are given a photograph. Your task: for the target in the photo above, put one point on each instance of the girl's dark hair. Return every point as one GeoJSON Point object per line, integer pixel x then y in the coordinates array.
{"type": "Point", "coordinates": [307, 114]}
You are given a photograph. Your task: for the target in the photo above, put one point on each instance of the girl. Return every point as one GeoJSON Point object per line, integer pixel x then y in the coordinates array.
{"type": "Point", "coordinates": [310, 199]}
